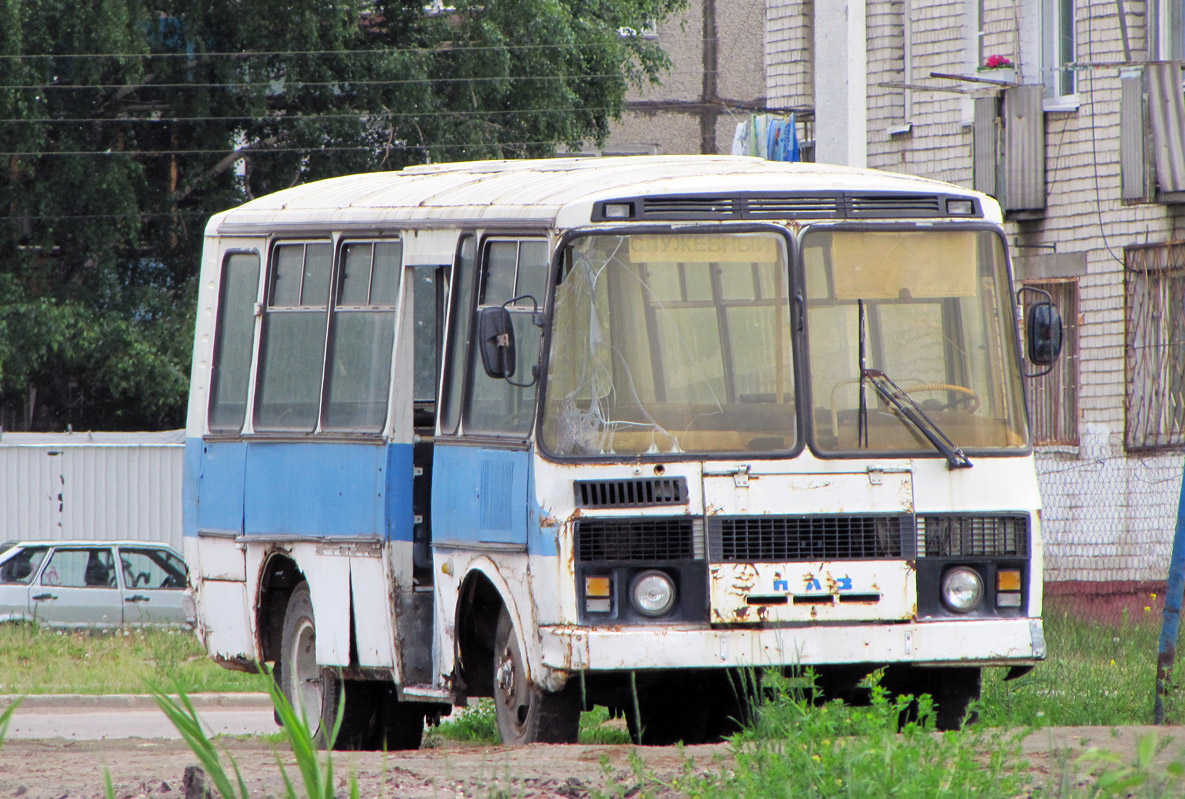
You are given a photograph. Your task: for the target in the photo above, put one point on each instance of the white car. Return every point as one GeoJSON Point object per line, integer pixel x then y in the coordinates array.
{"type": "Point", "coordinates": [94, 584]}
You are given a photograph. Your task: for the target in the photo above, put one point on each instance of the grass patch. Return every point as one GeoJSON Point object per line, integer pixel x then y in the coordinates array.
{"type": "Point", "coordinates": [39, 660]}
{"type": "Point", "coordinates": [478, 724]}
{"type": "Point", "coordinates": [1095, 674]}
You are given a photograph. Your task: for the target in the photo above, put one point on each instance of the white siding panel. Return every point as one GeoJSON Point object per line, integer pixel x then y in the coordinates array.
{"type": "Point", "coordinates": [65, 486]}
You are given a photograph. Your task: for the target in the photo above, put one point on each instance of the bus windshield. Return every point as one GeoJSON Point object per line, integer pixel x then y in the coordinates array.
{"type": "Point", "coordinates": [922, 313]}
{"type": "Point", "coordinates": [671, 343]}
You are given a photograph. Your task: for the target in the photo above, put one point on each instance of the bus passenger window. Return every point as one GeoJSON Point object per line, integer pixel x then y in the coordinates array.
{"type": "Point", "coordinates": [514, 270]}
{"type": "Point", "coordinates": [427, 301]}
{"type": "Point", "coordinates": [460, 318]}
{"type": "Point", "coordinates": [233, 338]}
{"type": "Point", "coordinates": [362, 333]}
{"type": "Point", "coordinates": [294, 338]}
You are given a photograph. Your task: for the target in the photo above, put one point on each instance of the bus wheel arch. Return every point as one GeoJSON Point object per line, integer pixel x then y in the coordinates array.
{"type": "Point", "coordinates": [279, 577]}
{"type": "Point", "coordinates": [479, 604]}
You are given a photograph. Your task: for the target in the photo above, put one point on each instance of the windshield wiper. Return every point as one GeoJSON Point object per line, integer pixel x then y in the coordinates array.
{"type": "Point", "coordinates": [891, 393]}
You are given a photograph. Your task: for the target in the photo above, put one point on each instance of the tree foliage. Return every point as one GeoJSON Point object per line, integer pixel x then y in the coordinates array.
{"type": "Point", "coordinates": [125, 124]}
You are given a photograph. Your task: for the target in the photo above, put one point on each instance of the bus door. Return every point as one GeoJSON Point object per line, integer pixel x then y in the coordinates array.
{"type": "Point", "coordinates": [481, 478]}
{"type": "Point", "coordinates": [429, 288]}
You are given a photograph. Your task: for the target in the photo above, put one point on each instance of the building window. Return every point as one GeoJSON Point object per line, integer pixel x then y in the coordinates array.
{"type": "Point", "coordinates": [1059, 47]}
{"type": "Point", "coordinates": [1155, 346]}
{"type": "Point", "coordinates": [1053, 397]}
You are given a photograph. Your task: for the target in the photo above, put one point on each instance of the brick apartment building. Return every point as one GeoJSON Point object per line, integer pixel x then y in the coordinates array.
{"type": "Point", "coordinates": [1068, 111]}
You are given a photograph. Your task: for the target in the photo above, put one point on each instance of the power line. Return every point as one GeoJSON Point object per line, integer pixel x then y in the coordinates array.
{"type": "Point", "coordinates": [384, 114]}
{"type": "Point", "coordinates": [284, 84]}
{"type": "Point", "coordinates": [285, 149]}
{"type": "Point", "coordinates": [450, 47]}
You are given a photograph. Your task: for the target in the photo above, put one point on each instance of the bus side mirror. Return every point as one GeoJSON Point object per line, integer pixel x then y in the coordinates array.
{"type": "Point", "coordinates": [1043, 333]}
{"type": "Point", "coordinates": [496, 334]}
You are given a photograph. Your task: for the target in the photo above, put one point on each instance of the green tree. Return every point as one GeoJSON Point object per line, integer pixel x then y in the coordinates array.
{"type": "Point", "coordinates": [124, 125]}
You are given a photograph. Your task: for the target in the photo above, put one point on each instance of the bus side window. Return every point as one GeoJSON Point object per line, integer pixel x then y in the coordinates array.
{"type": "Point", "coordinates": [431, 290]}
{"type": "Point", "coordinates": [293, 348]}
{"type": "Point", "coordinates": [460, 319]}
{"type": "Point", "coordinates": [361, 336]}
{"type": "Point", "coordinates": [233, 338]}
{"type": "Point", "coordinates": [513, 270]}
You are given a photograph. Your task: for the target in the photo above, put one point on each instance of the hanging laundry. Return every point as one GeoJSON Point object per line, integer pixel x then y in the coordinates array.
{"type": "Point", "coordinates": [740, 139]}
{"type": "Point", "coordinates": [769, 136]}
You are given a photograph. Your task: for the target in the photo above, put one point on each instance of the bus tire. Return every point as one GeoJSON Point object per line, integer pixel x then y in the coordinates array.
{"type": "Point", "coordinates": [526, 714]}
{"type": "Point", "coordinates": [958, 688]}
{"type": "Point", "coordinates": [402, 725]}
{"type": "Point", "coordinates": [316, 693]}
{"type": "Point", "coordinates": [665, 714]}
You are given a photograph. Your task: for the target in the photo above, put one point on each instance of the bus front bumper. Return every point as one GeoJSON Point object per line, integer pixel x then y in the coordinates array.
{"type": "Point", "coordinates": [966, 642]}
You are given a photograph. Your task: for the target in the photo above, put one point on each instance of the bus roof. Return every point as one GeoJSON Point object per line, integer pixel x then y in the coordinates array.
{"type": "Point", "coordinates": [559, 192]}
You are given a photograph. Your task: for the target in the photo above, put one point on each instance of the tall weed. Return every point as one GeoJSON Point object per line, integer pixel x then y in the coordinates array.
{"type": "Point", "coordinates": [316, 776]}
{"type": "Point", "coordinates": [795, 748]}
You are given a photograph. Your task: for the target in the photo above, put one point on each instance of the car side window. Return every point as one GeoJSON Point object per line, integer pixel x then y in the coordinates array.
{"type": "Point", "coordinates": [22, 566]}
{"type": "Point", "coordinates": [152, 568]}
{"type": "Point", "coordinates": [80, 568]}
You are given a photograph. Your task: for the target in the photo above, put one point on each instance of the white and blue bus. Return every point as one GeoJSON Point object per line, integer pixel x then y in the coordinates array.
{"type": "Point", "coordinates": [583, 432]}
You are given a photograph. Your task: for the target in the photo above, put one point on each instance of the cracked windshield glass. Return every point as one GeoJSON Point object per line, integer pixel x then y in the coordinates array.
{"type": "Point", "coordinates": [927, 310]}
{"type": "Point", "coordinates": [671, 343]}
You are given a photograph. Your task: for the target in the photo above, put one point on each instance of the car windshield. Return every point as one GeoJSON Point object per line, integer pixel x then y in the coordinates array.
{"type": "Point", "coordinates": [928, 310]}
{"type": "Point", "coordinates": [21, 567]}
{"type": "Point", "coordinates": [671, 343]}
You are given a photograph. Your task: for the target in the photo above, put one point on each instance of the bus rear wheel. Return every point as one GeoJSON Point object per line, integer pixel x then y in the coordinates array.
{"type": "Point", "coordinates": [317, 693]}
{"type": "Point", "coordinates": [525, 713]}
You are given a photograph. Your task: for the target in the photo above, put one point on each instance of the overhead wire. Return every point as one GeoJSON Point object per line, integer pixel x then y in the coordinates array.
{"type": "Point", "coordinates": [239, 54]}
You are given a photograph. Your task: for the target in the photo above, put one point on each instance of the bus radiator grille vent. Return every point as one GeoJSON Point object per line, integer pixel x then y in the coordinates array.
{"type": "Point", "coordinates": [797, 538]}
{"type": "Point", "coordinates": [894, 204]}
{"type": "Point", "coordinates": [791, 205]}
{"type": "Point", "coordinates": [631, 492]}
{"type": "Point", "coordinates": [642, 539]}
{"type": "Point", "coordinates": [959, 535]}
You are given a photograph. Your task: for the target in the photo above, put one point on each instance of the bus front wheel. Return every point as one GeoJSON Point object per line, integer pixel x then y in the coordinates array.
{"type": "Point", "coordinates": [525, 713]}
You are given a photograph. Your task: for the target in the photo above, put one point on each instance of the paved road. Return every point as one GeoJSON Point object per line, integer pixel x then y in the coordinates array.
{"type": "Point", "coordinates": [134, 716]}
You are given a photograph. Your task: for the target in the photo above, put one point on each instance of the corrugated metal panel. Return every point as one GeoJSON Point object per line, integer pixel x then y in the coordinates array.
{"type": "Point", "coordinates": [986, 159]}
{"type": "Point", "coordinates": [66, 487]}
{"type": "Point", "coordinates": [1166, 113]}
{"type": "Point", "coordinates": [1133, 161]}
{"type": "Point", "coordinates": [1024, 148]}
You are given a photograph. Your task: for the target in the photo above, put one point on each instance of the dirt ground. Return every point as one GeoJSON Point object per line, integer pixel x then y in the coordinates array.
{"type": "Point", "coordinates": [61, 769]}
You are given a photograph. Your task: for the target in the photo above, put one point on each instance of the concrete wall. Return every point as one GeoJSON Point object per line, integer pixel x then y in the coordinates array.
{"type": "Point", "coordinates": [716, 78]}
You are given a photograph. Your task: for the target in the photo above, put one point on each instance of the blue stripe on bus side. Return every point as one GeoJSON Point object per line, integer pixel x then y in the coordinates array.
{"type": "Point", "coordinates": [479, 495]}
{"type": "Point", "coordinates": [310, 488]}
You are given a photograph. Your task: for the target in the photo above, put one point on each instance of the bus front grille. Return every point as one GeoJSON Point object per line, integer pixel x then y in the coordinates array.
{"type": "Point", "coordinates": [631, 492]}
{"type": "Point", "coordinates": [740, 539]}
{"type": "Point", "coordinates": [639, 539]}
{"type": "Point", "coordinates": [965, 535]}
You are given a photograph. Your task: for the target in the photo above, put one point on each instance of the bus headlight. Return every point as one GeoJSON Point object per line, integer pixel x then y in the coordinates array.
{"type": "Point", "coordinates": [652, 593]}
{"type": "Point", "coordinates": [962, 589]}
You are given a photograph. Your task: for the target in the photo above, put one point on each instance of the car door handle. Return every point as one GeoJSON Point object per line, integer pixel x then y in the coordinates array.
{"type": "Point", "coordinates": [41, 597]}
{"type": "Point", "coordinates": [136, 598]}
